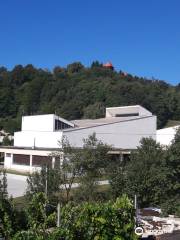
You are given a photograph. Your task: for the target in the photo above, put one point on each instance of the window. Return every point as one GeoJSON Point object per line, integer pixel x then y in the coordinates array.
{"type": "Point", "coordinates": [21, 159]}
{"type": "Point", "coordinates": [8, 155]}
{"type": "Point", "coordinates": [60, 125]}
{"type": "Point", "coordinates": [38, 161]}
{"type": "Point", "coordinates": [127, 115]}
{"type": "Point", "coordinates": [57, 162]}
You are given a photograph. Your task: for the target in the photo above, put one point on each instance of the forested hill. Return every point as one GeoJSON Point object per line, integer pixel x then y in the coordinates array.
{"type": "Point", "coordinates": [79, 92]}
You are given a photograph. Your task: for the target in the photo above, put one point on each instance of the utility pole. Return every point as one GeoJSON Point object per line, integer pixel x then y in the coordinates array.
{"type": "Point", "coordinates": [58, 215]}
{"type": "Point", "coordinates": [135, 201]}
{"type": "Point", "coordinates": [46, 182]}
{"type": "Point", "coordinates": [135, 207]}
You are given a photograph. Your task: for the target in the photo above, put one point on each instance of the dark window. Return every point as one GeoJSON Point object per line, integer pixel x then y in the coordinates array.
{"type": "Point", "coordinates": [8, 154]}
{"type": "Point", "coordinates": [60, 125]}
{"type": "Point", "coordinates": [39, 161]}
{"type": "Point", "coordinates": [21, 159]}
{"type": "Point", "coordinates": [127, 115]}
{"type": "Point", "coordinates": [57, 162]}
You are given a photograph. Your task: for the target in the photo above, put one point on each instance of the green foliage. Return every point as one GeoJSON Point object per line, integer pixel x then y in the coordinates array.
{"type": "Point", "coordinates": [56, 182]}
{"type": "Point", "coordinates": [116, 174]}
{"type": "Point", "coordinates": [6, 218]}
{"type": "Point", "coordinates": [84, 165]}
{"type": "Point", "coordinates": [171, 205]}
{"type": "Point", "coordinates": [93, 160]}
{"type": "Point", "coordinates": [69, 166]}
{"type": "Point", "coordinates": [10, 124]}
{"type": "Point", "coordinates": [93, 111]}
{"type": "Point", "coordinates": [3, 184]}
{"type": "Point", "coordinates": [173, 163]}
{"type": "Point", "coordinates": [152, 173]}
{"type": "Point", "coordinates": [39, 220]}
{"type": "Point", "coordinates": [6, 208]}
{"type": "Point", "coordinates": [79, 92]}
{"type": "Point", "coordinates": [74, 67]}
{"type": "Point", "coordinates": [145, 175]}
{"type": "Point", "coordinates": [48, 181]}
{"type": "Point", "coordinates": [111, 220]}
{"type": "Point", "coordinates": [7, 141]}
{"type": "Point", "coordinates": [100, 221]}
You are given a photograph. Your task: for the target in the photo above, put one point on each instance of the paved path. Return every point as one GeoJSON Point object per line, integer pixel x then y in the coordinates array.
{"type": "Point", "coordinates": [16, 185]}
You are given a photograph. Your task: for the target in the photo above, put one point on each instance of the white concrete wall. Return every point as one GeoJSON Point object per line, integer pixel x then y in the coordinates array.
{"type": "Point", "coordinates": [8, 161]}
{"type": "Point", "coordinates": [23, 168]}
{"type": "Point", "coordinates": [125, 135]}
{"type": "Point", "coordinates": [37, 139]}
{"type": "Point", "coordinates": [166, 135]}
{"type": "Point", "coordinates": [38, 123]}
{"type": "Point", "coordinates": [137, 109]}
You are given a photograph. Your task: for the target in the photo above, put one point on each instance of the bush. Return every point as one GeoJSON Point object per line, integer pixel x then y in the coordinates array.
{"type": "Point", "coordinates": [111, 220]}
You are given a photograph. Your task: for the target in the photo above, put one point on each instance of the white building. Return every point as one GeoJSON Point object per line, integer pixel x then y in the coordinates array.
{"type": "Point", "coordinates": [165, 136]}
{"type": "Point", "coordinates": [40, 135]}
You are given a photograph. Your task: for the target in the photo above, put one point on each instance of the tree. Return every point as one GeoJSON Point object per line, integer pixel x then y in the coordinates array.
{"type": "Point", "coordinates": [110, 220]}
{"type": "Point", "coordinates": [7, 218]}
{"type": "Point", "coordinates": [74, 91]}
{"type": "Point", "coordinates": [39, 221]}
{"type": "Point", "coordinates": [146, 174]}
{"type": "Point", "coordinates": [93, 111]}
{"type": "Point", "coordinates": [93, 160]}
{"type": "Point", "coordinates": [173, 164]}
{"type": "Point", "coordinates": [6, 209]}
{"type": "Point", "coordinates": [57, 182]}
{"type": "Point", "coordinates": [7, 141]}
{"type": "Point", "coordinates": [69, 166]}
{"type": "Point", "coordinates": [96, 64]}
{"type": "Point", "coordinates": [115, 171]}
{"type": "Point", "coordinates": [74, 67]}
{"type": "Point", "coordinates": [47, 181]}
{"type": "Point", "coordinates": [3, 184]}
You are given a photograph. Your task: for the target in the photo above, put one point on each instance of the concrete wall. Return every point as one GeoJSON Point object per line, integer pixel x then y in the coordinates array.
{"type": "Point", "coordinates": [125, 135]}
{"type": "Point", "coordinates": [38, 123]}
{"type": "Point", "coordinates": [8, 158]}
{"type": "Point", "coordinates": [166, 135]}
{"type": "Point", "coordinates": [41, 123]}
{"type": "Point", "coordinates": [37, 139]}
{"type": "Point", "coordinates": [136, 109]}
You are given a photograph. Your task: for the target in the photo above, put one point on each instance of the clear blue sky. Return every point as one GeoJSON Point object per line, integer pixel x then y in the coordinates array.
{"type": "Point", "coordinates": [141, 37]}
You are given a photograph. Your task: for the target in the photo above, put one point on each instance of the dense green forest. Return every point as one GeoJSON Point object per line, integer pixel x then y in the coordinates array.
{"type": "Point", "coordinates": [79, 92]}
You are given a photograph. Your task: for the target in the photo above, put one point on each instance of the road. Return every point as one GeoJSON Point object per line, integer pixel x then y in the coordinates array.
{"type": "Point", "coordinates": [16, 185]}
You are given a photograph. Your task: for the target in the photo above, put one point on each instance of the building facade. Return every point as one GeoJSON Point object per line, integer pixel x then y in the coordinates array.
{"type": "Point", "coordinates": [165, 136]}
{"type": "Point", "coordinates": [41, 135]}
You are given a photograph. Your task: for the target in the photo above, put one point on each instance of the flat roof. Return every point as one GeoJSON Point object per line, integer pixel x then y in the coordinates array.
{"type": "Point", "coordinates": [112, 151]}
{"type": "Point", "coordinates": [101, 121]}
{"type": "Point", "coordinates": [29, 148]}
{"type": "Point", "coordinates": [88, 123]}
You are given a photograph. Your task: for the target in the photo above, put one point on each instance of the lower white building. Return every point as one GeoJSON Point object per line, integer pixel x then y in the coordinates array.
{"type": "Point", "coordinates": [165, 136]}
{"type": "Point", "coordinates": [41, 135]}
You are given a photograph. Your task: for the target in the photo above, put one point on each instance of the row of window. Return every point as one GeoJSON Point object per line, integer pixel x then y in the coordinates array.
{"type": "Point", "coordinates": [60, 125]}
{"type": "Point", "coordinates": [127, 115]}
{"type": "Point", "coordinates": [37, 161]}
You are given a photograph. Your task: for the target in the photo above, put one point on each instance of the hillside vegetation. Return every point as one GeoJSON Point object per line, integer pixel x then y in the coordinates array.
{"type": "Point", "coordinates": [78, 92]}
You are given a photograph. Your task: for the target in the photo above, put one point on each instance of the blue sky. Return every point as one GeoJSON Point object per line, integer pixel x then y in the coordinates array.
{"type": "Point", "coordinates": [141, 37]}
